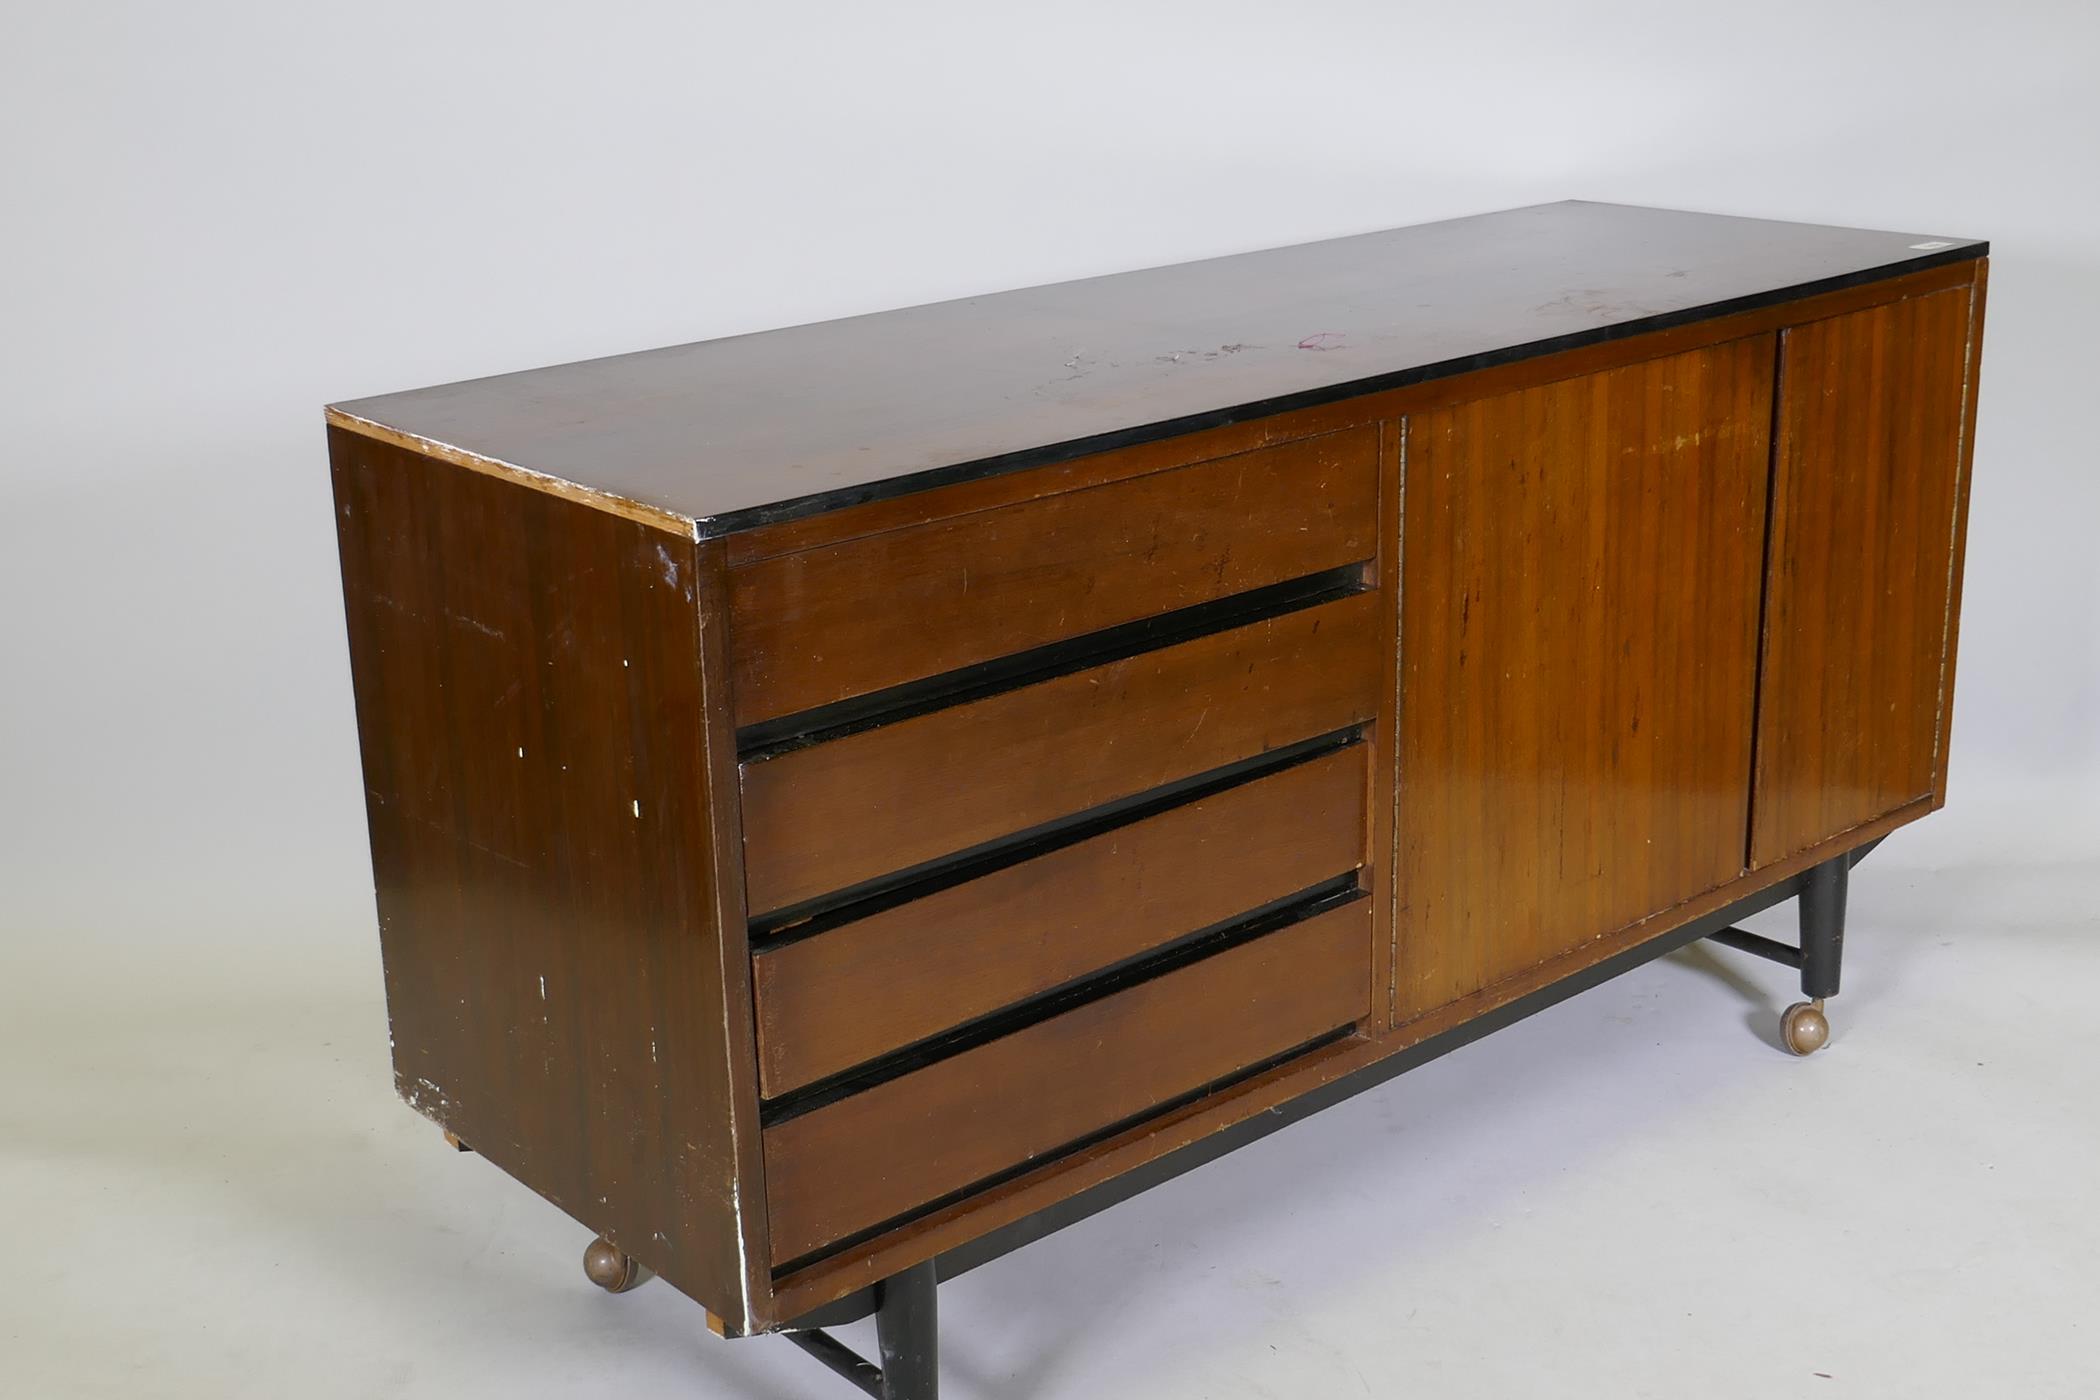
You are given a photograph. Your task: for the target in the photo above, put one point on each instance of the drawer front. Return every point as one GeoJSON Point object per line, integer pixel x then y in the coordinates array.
{"type": "Point", "coordinates": [850, 994]}
{"type": "Point", "coordinates": [826, 818]}
{"type": "Point", "coordinates": [822, 625]}
{"type": "Point", "coordinates": [864, 1161]}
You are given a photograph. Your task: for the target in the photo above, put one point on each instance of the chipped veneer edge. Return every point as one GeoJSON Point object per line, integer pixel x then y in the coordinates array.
{"type": "Point", "coordinates": [752, 1281]}
{"type": "Point", "coordinates": [1963, 448]}
{"type": "Point", "coordinates": [683, 526]}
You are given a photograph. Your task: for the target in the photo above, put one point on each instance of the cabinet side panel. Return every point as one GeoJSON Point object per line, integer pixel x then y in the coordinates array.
{"type": "Point", "coordinates": [1578, 638]}
{"type": "Point", "coordinates": [1863, 533]}
{"type": "Point", "coordinates": [559, 974]}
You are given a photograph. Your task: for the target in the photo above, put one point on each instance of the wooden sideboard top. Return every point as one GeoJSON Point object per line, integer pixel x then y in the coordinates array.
{"type": "Point", "coordinates": [723, 435]}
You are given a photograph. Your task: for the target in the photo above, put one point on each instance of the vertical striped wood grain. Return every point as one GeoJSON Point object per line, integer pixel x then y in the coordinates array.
{"type": "Point", "coordinates": [1578, 638]}
{"type": "Point", "coordinates": [1863, 529]}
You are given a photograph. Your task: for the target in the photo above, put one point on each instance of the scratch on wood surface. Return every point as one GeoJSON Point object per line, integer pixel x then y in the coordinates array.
{"type": "Point", "coordinates": [476, 623]}
{"type": "Point", "coordinates": [450, 834]}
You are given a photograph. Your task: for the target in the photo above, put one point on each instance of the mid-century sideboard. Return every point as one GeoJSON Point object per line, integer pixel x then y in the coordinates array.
{"type": "Point", "coordinates": [848, 800]}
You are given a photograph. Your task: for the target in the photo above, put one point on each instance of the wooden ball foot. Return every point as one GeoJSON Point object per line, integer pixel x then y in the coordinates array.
{"type": "Point", "coordinates": [1804, 1027]}
{"type": "Point", "coordinates": [612, 1268]}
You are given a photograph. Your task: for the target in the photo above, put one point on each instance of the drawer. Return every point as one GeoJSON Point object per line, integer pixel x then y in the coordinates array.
{"type": "Point", "coordinates": [841, 997]}
{"type": "Point", "coordinates": [837, 814]}
{"type": "Point", "coordinates": [849, 1166]}
{"type": "Point", "coordinates": [821, 625]}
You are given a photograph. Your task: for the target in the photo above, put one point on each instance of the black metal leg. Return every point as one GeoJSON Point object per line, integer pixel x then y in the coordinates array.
{"type": "Point", "coordinates": [1823, 926]}
{"type": "Point", "coordinates": [1804, 1028]}
{"type": "Point", "coordinates": [907, 1332]}
{"type": "Point", "coordinates": [907, 1329]}
{"type": "Point", "coordinates": [849, 1364]}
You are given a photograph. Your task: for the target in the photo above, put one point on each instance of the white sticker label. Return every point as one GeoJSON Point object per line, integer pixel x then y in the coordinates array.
{"type": "Point", "coordinates": [1932, 246]}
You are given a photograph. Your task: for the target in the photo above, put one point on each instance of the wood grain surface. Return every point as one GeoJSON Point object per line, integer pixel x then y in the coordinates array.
{"type": "Point", "coordinates": [849, 994]}
{"type": "Point", "coordinates": [865, 1159]}
{"type": "Point", "coordinates": [733, 433]}
{"type": "Point", "coordinates": [1863, 534]}
{"type": "Point", "coordinates": [1578, 652]}
{"type": "Point", "coordinates": [566, 975]}
{"type": "Point", "coordinates": [821, 625]}
{"type": "Point", "coordinates": [822, 819]}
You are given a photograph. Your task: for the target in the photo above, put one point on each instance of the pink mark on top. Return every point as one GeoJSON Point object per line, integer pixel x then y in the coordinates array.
{"type": "Point", "coordinates": [1322, 340]}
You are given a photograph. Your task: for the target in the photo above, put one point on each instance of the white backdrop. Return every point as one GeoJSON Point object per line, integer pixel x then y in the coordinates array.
{"type": "Point", "coordinates": [219, 216]}
{"type": "Point", "coordinates": [215, 217]}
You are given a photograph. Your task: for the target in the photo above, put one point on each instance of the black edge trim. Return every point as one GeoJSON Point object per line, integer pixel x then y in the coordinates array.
{"type": "Point", "coordinates": [709, 527]}
{"type": "Point", "coordinates": [1005, 1239]}
{"type": "Point", "coordinates": [1145, 966]}
{"type": "Point", "coordinates": [828, 911]}
{"type": "Point", "coordinates": [1058, 1154]}
{"type": "Point", "coordinates": [755, 743]}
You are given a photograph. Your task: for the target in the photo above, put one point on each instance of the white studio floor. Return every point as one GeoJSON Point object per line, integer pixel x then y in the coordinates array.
{"type": "Point", "coordinates": [213, 1193]}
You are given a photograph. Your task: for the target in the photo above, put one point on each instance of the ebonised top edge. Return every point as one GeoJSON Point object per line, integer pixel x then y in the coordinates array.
{"type": "Point", "coordinates": [782, 424]}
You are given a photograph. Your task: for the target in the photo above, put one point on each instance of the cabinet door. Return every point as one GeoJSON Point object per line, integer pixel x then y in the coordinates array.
{"type": "Point", "coordinates": [1860, 588]}
{"type": "Point", "coordinates": [1578, 644]}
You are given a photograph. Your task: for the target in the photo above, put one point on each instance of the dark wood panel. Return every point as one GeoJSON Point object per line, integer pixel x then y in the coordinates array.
{"type": "Point", "coordinates": [1578, 644]}
{"type": "Point", "coordinates": [1863, 531]}
{"type": "Point", "coordinates": [821, 819]}
{"type": "Point", "coordinates": [821, 625]}
{"type": "Point", "coordinates": [731, 433]}
{"type": "Point", "coordinates": [850, 994]}
{"type": "Point", "coordinates": [564, 954]}
{"type": "Point", "coordinates": [863, 1160]}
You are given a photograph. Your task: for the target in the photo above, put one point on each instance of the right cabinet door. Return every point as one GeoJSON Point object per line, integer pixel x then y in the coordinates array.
{"type": "Point", "coordinates": [1860, 576]}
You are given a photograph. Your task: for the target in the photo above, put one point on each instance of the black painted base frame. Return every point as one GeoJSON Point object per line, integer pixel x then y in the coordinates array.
{"type": "Point", "coordinates": [1822, 951]}
{"type": "Point", "coordinates": [907, 1334]}
{"type": "Point", "coordinates": [904, 1305]}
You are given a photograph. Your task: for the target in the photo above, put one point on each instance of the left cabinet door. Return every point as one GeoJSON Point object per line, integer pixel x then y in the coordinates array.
{"type": "Point", "coordinates": [1577, 661]}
